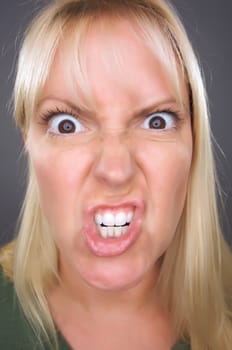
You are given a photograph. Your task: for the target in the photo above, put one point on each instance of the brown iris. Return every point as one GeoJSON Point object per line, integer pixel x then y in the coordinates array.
{"type": "Point", "coordinates": [157, 123]}
{"type": "Point", "coordinates": [66, 127]}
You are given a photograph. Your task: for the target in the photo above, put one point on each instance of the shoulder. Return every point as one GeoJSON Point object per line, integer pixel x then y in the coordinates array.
{"type": "Point", "coordinates": [181, 346]}
{"type": "Point", "coordinates": [8, 301]}
{"type": "Point", "coordinates": [7, 257]}
{"type": "Point", "coordinates": [15, 332]}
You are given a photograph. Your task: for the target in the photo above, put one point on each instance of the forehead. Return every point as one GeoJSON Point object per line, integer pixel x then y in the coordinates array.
{"type": "Point", "coordinates": [115, 54]}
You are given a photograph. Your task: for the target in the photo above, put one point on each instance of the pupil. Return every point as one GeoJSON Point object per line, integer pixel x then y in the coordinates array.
{"type": "Point", "coordinates": [66, 126]}
{"type": "Point", "coordinates": [157, 123]}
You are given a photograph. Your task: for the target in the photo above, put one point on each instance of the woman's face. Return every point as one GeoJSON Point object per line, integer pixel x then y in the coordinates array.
{"type": "Point", "coordinates": [112, 178]}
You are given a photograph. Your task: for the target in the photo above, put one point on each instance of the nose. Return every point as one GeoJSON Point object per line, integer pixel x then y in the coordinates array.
{"type": "Point", "coordinates": [115, 166]}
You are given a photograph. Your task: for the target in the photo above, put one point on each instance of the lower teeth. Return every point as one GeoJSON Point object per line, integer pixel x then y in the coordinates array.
{"type": "Point", "coordinates": [112, 231]}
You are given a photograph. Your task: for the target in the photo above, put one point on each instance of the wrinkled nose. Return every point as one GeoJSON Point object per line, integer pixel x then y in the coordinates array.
{"type": "Point", "coordinates": [115, 166]}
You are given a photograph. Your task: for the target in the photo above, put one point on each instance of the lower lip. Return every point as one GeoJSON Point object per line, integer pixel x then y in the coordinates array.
{"type": "Point", "coordinates": [111, 246]}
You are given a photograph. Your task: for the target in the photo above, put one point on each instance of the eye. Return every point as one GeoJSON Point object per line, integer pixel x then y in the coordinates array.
{"type": "Point", "coordinates": [160, 121]}
{"type": "Point", "coordinates": [65, 124]}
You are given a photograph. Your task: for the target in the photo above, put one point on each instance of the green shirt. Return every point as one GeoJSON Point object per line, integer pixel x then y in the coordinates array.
{"type": "Point", "coordinates": [15, 331]}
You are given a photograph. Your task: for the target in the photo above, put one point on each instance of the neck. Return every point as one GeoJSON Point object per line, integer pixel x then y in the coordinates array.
{"type": "Point", "coordinates": [87, 315]}
{"type": "Point", "coordinates": [134, 298]}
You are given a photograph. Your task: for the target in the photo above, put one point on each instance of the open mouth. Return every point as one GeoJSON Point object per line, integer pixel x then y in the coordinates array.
{"type": "Point", "coordinates": [113, 225]}
{"type": "Point", "coordinates": [111, 230]}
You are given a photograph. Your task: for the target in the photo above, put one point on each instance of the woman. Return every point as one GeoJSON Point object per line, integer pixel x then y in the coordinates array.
{"type": "Point", "coordinates": [119, 244]}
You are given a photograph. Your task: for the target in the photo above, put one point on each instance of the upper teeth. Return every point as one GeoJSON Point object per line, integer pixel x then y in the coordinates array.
{"type": "Point", "coordinates": [110, 219]}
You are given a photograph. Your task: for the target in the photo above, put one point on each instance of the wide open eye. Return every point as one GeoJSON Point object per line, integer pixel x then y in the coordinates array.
{"type": "Point", "coordinates": [65, 124]}
{"type": "Point", "coordinates": [160, 121]}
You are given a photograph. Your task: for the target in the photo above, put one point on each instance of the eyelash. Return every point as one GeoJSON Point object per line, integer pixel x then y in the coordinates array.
{"type": "Point", "coordinates": [50, 113]}
{"type": "Point", "coordinates": [176, 114]}
{"type": "Point", "coordinates": [172, 112]}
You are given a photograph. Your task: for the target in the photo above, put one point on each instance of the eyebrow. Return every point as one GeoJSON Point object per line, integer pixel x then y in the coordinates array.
{"type": "Point", "coordinates": [162, 104]}
{"type": "Point", "coordinates": [73, 106]}
{"type": "Point", "coordinates": [158, 105]}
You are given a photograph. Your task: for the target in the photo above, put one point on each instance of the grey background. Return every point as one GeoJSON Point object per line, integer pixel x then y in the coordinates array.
{"type": "Point", "coordinates": [209, 25]}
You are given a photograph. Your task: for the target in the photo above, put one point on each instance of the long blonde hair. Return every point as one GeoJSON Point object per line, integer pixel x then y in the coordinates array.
{"type": "Point", "coordinates": [195, 279]}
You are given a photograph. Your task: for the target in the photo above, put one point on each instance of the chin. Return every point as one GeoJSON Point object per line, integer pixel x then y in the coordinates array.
{"type": "Point", "coordinates": [112, 275]}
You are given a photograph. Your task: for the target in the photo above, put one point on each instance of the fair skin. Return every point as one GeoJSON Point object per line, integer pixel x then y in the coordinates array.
{"type": "Point", "coordinates": [113, 162]}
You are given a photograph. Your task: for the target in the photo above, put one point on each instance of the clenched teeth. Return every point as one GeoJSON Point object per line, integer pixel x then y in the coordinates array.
{"type": "Point", "coordinates": [113, 225]}
{"type": "Point", "coordinates": [112, 231]}
{"type": "Point", "coordinates": [109, 219]}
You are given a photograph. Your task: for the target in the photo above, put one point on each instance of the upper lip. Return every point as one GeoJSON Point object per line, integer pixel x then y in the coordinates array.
{"type": "Point", "coordinates": [136, 204]}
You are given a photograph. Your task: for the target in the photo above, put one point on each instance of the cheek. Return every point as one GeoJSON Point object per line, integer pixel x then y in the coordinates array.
{"type": "Point", "coordinates": [60, 176]}
{"type": "Point", "coordinates": [167, 179]}
{"type": "Point", "coordinates": [173, 172]}
{"type": "Point", "coordinates": [167, 172]}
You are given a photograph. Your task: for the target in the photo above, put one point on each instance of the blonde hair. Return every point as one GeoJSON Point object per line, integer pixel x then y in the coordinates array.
{"type": "Point", "coordinates": [195, 279]}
